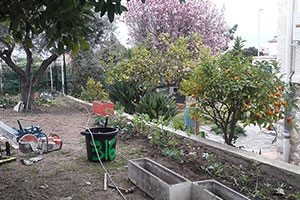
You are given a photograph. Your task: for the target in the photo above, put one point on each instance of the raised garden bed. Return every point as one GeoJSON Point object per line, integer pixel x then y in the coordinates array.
{"type": "Point", "coordinates": [213, 190]}
{"type": "Point", "coordinates": [158, 181]}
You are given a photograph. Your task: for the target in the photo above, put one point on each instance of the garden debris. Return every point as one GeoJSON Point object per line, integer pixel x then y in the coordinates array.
{"type": "Point", "coordinates": [66, 198]}
{"type": "Point", "coordinates": [193, 153]}
{"type": "Point", "coordinates": [126, 191]}
{"type": "Point", "coordinates": [7, 158]}
{"type": "Point", "coordinates": [31, 161]}
{"type": "Point", "coordinates": [279, 192]}
{"type": "Point", "coordinates": [10, 134]}
{"type": "Point", "coordinates": [4, 142]}
{"type": "Point", "coordinates": [44, 186]}
{"type": "Point", "coordinates": [19, 107]}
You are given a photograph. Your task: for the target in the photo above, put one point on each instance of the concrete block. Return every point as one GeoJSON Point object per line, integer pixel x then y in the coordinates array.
{"type": "Point", "coordinates": [213, 190]}
{"type": "Point", "coordinates": [158, 181]}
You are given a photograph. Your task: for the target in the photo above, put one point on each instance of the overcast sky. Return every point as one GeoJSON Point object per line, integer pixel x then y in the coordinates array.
{"type": "Point", "coordinates": [245, 14]}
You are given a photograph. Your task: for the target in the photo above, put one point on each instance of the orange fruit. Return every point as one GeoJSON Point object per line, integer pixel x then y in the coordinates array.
{"type": "Point", "coordinates": [282, 117]}
{"type": "Point", "coordinates": [199, 79]}
{"type": "Point", "coordinates": [288, 120]}
{"type": "Point", "coordinates": [283, 103]}
{"type": "Point", "coordinates": [236, 78]}
{"type": "Point", "coordinates": [197, 90]}
{"type": "Point", "coordinates": [245, 105]}
{"type": "Point", "coordinates": [227, 71]}
{"type": "Point", "coordinates": [250, 72]}
{"type": "Point", "coordinates": [269, 112]}
{"type": "Point", "coordinates": [192, 118]}
{"type": "Point", "coordinates": [192, 104]}
{"type": "Point", "coordinates": [257, 114]}
{"type": "Point", "coordinates": [206, 98]}
{"type": "Point", "coordinates": [276, 111]}
{"type": "Point", "coordinates": [193, 96]}
{"type": "Point", "coordinates": [277, 94]}
{"type": "Point", "coordinates": [269, 128]}
{"type": "Point", "coordinates": [271, 95]}
{"type": "Point", "coordinates": [276, 103]}
{"type": "Point", "coordinates": [280, 88]}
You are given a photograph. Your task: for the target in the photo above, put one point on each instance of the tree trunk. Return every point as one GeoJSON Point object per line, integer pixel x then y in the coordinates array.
{"type": "Point", "coordinates": [27, 92]}
{"type": "Point", "coordinates": [228, 141]}
{"type": "Point", "coordinates": [226, 135]}
{"type": "Point", "coordinates": [28, 83]}
{"type": "Point", "coordinates": [231, 133]}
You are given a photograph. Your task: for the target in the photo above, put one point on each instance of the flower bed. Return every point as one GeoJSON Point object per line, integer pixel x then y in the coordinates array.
{"type": "Point", "coordinates": [198, 161]}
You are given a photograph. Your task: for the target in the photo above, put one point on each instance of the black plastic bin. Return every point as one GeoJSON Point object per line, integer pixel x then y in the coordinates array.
{"type": "Point", "coordinates": [105, 141]}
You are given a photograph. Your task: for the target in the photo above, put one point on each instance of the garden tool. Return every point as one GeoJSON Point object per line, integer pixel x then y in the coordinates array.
{"type": "Point", "coordinates": [35, 130]}
{"type": "Point", "coordinates": [28, 143]}
{"type": "Point", "coordinates": [32, 139]}
{"type": "Point", "coordinates": [43, 143]}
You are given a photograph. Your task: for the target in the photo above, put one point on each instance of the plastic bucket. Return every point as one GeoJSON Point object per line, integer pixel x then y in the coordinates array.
{"type": "Point", "coordinates": [105, 141]}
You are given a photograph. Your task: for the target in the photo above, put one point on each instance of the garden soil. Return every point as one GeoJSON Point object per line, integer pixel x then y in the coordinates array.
{"type": "Point", "coordinates": [67, 175]}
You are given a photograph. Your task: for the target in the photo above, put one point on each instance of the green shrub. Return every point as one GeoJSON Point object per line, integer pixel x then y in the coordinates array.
{"type": "Point", "coordinates": [116, 120]}
{"type": "Point", "coordinates": [6, 101]}
{"type": "Point", "coordinates": [93, 91]}
{"type": "Point", "coordinates": [178, 122]}
{"type": "Point", "coordinates": [12, 80]}
{"type": "Point", "coordinates": [126, 93]}
{"type": "Point", "coordinates": [156, 104]}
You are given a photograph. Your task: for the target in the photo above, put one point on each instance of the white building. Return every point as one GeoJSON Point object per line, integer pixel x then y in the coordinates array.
{"type": "Point", "coordinates": [272, 47]}
{"type": "Point", "coordinates": [283, 37]}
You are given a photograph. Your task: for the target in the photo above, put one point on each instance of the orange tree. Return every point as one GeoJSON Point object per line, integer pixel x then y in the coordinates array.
{"type": "Point", "coordinates": [230, 89]}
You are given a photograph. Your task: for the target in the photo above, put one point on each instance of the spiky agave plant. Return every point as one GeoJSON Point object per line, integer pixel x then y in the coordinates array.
{"type": "Point", "coordinates": [157, 104]}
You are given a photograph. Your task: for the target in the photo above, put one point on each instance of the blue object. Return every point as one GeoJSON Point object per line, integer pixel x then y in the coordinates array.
{"type": "Point", "coordinates": [35, 130]}
{"type": "Point", "coordinates": [187, 119]}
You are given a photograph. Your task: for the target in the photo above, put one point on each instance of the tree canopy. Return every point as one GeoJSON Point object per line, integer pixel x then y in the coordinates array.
{"type": "Point", "coordinates": [231, 90]}
{"type": "Point", "coordinates": [162, 68]}
{"type": "Point", "coordinates": [157, 17]}
{"type": "Point", "coordinates": [65, 22]}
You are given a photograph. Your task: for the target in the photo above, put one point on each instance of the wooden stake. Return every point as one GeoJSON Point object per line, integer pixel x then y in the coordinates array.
{"type": "Point", "coordinates": [105, 181]}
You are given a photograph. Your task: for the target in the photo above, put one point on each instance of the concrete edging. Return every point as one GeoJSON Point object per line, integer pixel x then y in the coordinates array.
{"type": "Point", "coordinates": [283, 170]}
{"type": "Point", "coordinates": [158, 181]}
{"type": "Point", "coordinates": [214, 190]}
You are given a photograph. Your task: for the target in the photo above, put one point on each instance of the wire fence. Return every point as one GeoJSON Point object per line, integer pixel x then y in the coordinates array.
{"type": "Point", "coordinates": [51, 80]}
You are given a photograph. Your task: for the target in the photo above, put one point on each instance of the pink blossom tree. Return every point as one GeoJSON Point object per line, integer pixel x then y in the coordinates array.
{"type": "Point", "coordinates": [155, 17]}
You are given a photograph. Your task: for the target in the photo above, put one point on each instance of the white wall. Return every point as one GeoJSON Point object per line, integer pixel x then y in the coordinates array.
{"type": "Point", "coordinates": [282, 25]}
